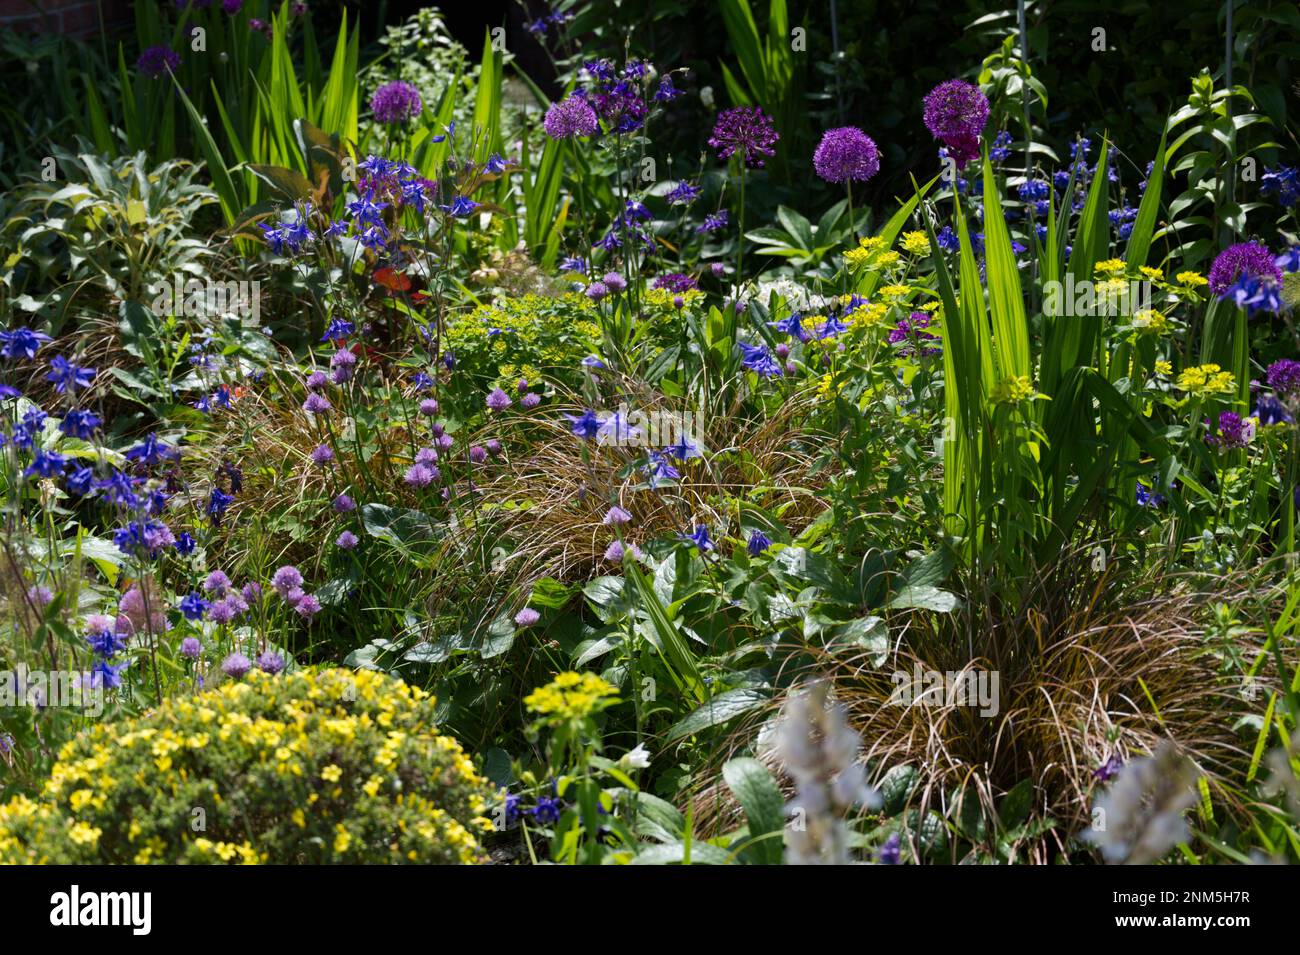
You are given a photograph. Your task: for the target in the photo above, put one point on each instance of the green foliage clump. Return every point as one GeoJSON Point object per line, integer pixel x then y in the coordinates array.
{"type": "Point", "coordinates": [529, 336]}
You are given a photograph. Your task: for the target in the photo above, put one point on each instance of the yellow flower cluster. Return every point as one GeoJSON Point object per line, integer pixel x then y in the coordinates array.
{"type": "Point", "coordinates": [1151, 321]}
{"type": "Point", "coordinates": [1012, 389]}
{"type": "Point", "coordinates": [1202, 380]}
{"type": "Point", "coordinates": [528, 331]}
{"type": "Point", "coordinates": [1193, 279]}
{"type": "Point", "coordinates": [872, 254]}
{"type": "Point", "coordinates": [309, 766]}
{"type": "Point", "coordinates": [665, 299]}
{"type": "Point", "coordinates": [570, 696]}
{"type": "Point", "coordinates": [916, 243]}
{"type": "Point", "coordinates": [1109, 267]}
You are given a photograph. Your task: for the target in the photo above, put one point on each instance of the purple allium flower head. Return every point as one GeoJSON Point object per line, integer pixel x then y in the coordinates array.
{"type": "Point", "coordinates": [251, 592]}
{"type": "Point", "coordinates": [285, 579]}
{"type": "Point", "coordinates": [396, 102]}
{"type": "Point", "coordinates": [1248, 258]}
{"type": "Point", "coordinates": [157, 61]}
{"type": "Point", "coordinates": [1234, 431]}
{"type": "Point", "coordinates": [1284, 376]}
{"type": "Point", "coordinates": [429, 407]}
{"type": "Point", "coordinates": [530, 400]}
{"type": "Point", "coordinates": [40, 596]}
{"type": "Point", "coordinates": [191, 648]}
{"type": "Point", "coordinates": [570, 117]}
{"type": "Point", "coordinates": [615, 551]}
{"type": "Point", "coordinates": [347, 540]}
{"type": "Point", "coordinates": [270, 662]}
{"type": "Point", "coordinates": [955, 113]}
{"type": "Point", "coordinates": [223, 611]}
{"type": "Point", "coordinates": [316, 404]}
{"type": "Point", "coordinates": [596, 291]}
{"type": "Point", "coordinates": [322, 454]}
{"type": "Point", "coordinates": [493, 447]}
{"type": "Point", "coordinates": [747, 132]}
{"type": "Point", "coordinates": [317, 381]}
{"type": "Point", "coordinates": [527, 617]}
{"type": "Point", "coordinates": [217, 583]}
{"type": "Point", "coordinates": [426, 456]}
{"type": "Point", "coordinates": [614, 282]}
{"type": "Point", "coordinates": [232, 6]}
{"type": "Point", "coordinates": [420, 475]}
{"type": "Point", "coordinates": [307, 606]}
{"type": "Point", "coordinates": [845, 154]}
{"type": "Point", "coordinates": [236, 665]}
{"type": "Point", "coordinates": [477, 454]}
{"type": "Point", "coordinates": [617, 516]}
{"type": "Point", "coordinates": [344, 504]}
{"type": "Point", "coordinates": [294, 595]}
{"type": "Point", "coordinates": [498, 400]}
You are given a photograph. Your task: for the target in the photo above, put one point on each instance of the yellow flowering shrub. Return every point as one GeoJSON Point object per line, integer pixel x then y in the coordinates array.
{"type": "Point", "coordinates": [549, 336]}
{"type": "Point", "coordinates": [303, 768]}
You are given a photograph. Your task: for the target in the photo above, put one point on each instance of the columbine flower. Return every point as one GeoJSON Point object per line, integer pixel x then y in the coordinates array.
{"type": "Point", "coordinates": [570, 117]}
{"type": "Point", "coordinates": [585, 425]}
{"type": "Point", "coordinates": [527, 617]}
{"type": "Point", "coordinates": [396, 102]}
{"type": "Point", "coordinates": [758, 542]}
{"type": "Point", "coordinates": [1244, 258]}
{"type": "Point", "coordinates": [759, 360]}
{"type": "Point", "coordinates": [889, 852]}
{"type": "Point", "coordinates": [846, 154]}
{"type": "Point", "coordinates": [955, 113]}
{"type": "Point", "coordinates": [21, 343]}
{"type": "Point", "coordinates": [745, 131]}
{"type": "Point", "coordinates": [699, 537]}
{"type": "Point", "coordinates": [193, 606]}
{"type": "Point", "coordinates": [67, 376]}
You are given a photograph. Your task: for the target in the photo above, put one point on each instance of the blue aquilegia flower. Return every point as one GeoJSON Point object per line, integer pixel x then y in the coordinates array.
{"type": "Point", "coordinates": [699, 537]}
{"type": "Point", "coordinates": [585, 425]}
{"type": "Point", "coordinates": [67, 376]}
{"type": "Point", "coordinates": [21, 343]}
{"type": "Point", "coordinates": [759, 360]}
{"type": "Point", "coordinates": [660, 468]}
{"type": "Point", "coordinates": [758, 542]}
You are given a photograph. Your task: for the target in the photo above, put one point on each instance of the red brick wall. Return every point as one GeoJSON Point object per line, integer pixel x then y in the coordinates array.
{"type": "Point", "coordinates": [69, 17]}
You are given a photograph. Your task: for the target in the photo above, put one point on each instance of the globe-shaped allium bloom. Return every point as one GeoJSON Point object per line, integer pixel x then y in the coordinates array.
{"type": "Point", "coordinates": [498, 400]}
{"type": "Point", "coordinates": [955, 113]}
{"type": "Point", "coordinates": [347, 540]}
{"type": "Point", "coordinates": [236, 665]}
{"type": "Point", "coordinates": [846, 154]}
{"type": "Point", "coordinates": [191, 648]}
{"type": "Point", "coordinates": [157, 61]}
{"type": "Point", "coordinates": [286, 579]}
{"type": "Point", "coordinates": [527, 617]}
{"type": "Point", "coordinates": [420, 475]}
{"type": "Point", "coordinates": [307, 606]}
{"type": "Point", "coordinates": [1244, 258]}
{"type": "Point", "coordinates": [396, 102]}
{"type": "Point", "coordinates": [270, 662]}
{"type": "Point", "coordinates": [343, 504]}
{"type": "Point", "coordinates": [1234, 431]}
{"type": "Point", "coordinates": [1284, 376]}
{"type": "Point", "coordinates": [570, 117]}
{"type": "Point", "coordinates": [616, 515]}
{"type": "Point", "coordinates": [744, 131]}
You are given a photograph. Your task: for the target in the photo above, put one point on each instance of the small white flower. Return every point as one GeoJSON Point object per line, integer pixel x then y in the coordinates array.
{"type": "Point", "coordinates": [638, 758]}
